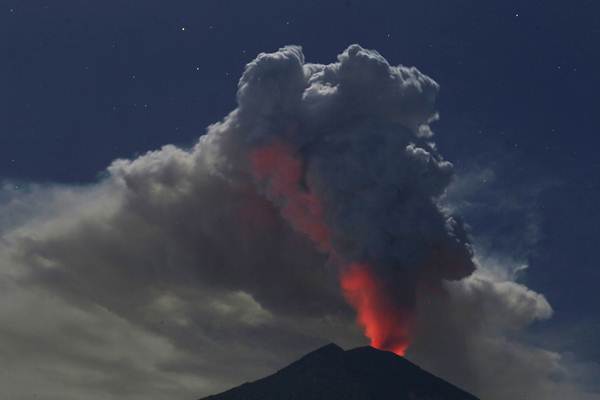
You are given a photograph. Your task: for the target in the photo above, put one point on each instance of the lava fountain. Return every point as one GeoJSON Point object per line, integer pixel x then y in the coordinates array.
{"type": "Point", "coordinates": [385, 323]}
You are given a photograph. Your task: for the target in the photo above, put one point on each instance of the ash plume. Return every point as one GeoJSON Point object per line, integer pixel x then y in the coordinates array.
{"type": "Point", "coordinates": [314, 204]}
{"type": "Point", "coordinates": [344, 151]}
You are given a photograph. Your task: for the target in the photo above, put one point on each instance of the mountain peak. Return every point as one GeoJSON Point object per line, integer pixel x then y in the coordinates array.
{"type": "Point", "coordinates": [363, 373]}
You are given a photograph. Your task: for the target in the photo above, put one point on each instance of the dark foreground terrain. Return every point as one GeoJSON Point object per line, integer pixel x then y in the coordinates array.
{"type": "Point", "coordinates": [364, 373]}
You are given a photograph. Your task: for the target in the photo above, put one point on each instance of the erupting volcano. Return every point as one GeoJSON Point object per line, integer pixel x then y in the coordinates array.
{"type": "Point", "coordinates": [330, 373]}
{"type": "Point", "coordinates": [386, 324]}
{"type": "Point", "coordinates": [344, 152]}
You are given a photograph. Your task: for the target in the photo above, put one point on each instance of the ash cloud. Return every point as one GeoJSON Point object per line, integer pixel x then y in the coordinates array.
{"type": "Point", "coordinates": [368, 178]}
{"type": "Point", "coordinates": [189, 254]}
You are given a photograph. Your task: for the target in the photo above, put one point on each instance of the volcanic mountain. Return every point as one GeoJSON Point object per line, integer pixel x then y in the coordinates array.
{"type": "Point", "coordinates": [364, 373]}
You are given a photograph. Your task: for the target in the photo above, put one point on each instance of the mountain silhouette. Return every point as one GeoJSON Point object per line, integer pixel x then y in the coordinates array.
{"type": "Point", "coordinates": [364, 373]}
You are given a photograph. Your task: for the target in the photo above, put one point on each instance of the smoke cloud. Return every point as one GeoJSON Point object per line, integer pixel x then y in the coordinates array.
{"type": "Point", "coordinates": [342, 150]}
{"type": "Point", "coordinates": [316, 203]}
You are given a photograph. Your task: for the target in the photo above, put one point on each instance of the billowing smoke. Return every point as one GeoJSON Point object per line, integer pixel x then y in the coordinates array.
{"type": "Point", "coordinates": [344, 152]}
{"type": "Point", "coordinates": [314, 205]}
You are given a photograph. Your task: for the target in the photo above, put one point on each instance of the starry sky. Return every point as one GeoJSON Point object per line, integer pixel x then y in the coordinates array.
{"type": "Point", "coordinates": [87, 82]}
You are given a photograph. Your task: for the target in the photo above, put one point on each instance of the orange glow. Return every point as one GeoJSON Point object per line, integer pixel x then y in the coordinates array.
{"type": "Point", "coordinates": [385, 323]}
{"type": "Point", "coordinates": [278, 166]}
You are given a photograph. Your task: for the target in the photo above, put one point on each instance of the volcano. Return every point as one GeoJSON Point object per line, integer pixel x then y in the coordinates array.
{"type": "Point", "coordinates": [364, 373]}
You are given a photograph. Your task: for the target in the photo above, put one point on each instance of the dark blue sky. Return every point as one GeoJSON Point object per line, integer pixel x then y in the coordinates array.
{"type": "Point", "coordinates": [85, 82]}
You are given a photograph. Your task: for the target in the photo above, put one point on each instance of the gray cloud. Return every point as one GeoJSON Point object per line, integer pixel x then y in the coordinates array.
{"type": "Point", "coordinates": [472, 335]}
{"type": "Point", "coordinates": [361, 177]}
{"type": "Point", "coordinates": [177, 275]}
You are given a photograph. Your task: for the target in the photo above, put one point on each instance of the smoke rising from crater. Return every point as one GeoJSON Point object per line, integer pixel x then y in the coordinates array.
{"type": "Point", "coordinates": [318, 194]}
{"type": "Point", "coordinates": [344, 151]}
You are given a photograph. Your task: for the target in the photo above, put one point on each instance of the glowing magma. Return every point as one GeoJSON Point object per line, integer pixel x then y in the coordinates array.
{"type": "Point", "coordinates": [385, 323]}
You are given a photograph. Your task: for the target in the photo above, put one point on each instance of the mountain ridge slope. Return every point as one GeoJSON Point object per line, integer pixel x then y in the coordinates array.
{"type": "Point", "coordinates": [363, 373]}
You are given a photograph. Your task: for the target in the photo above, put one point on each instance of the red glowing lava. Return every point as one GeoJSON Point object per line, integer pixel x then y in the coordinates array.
{"type": "Point", "coordinates": [384, 321]}
{"type": "Point", "coordinates": [278, 166]}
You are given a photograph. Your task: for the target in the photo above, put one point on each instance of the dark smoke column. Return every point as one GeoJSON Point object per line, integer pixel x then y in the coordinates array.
{"type": "Point", "coordinates": [345, 152]}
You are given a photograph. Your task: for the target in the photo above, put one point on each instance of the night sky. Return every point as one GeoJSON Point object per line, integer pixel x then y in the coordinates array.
{"type": "Point", "coordinates": [85, 83]}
